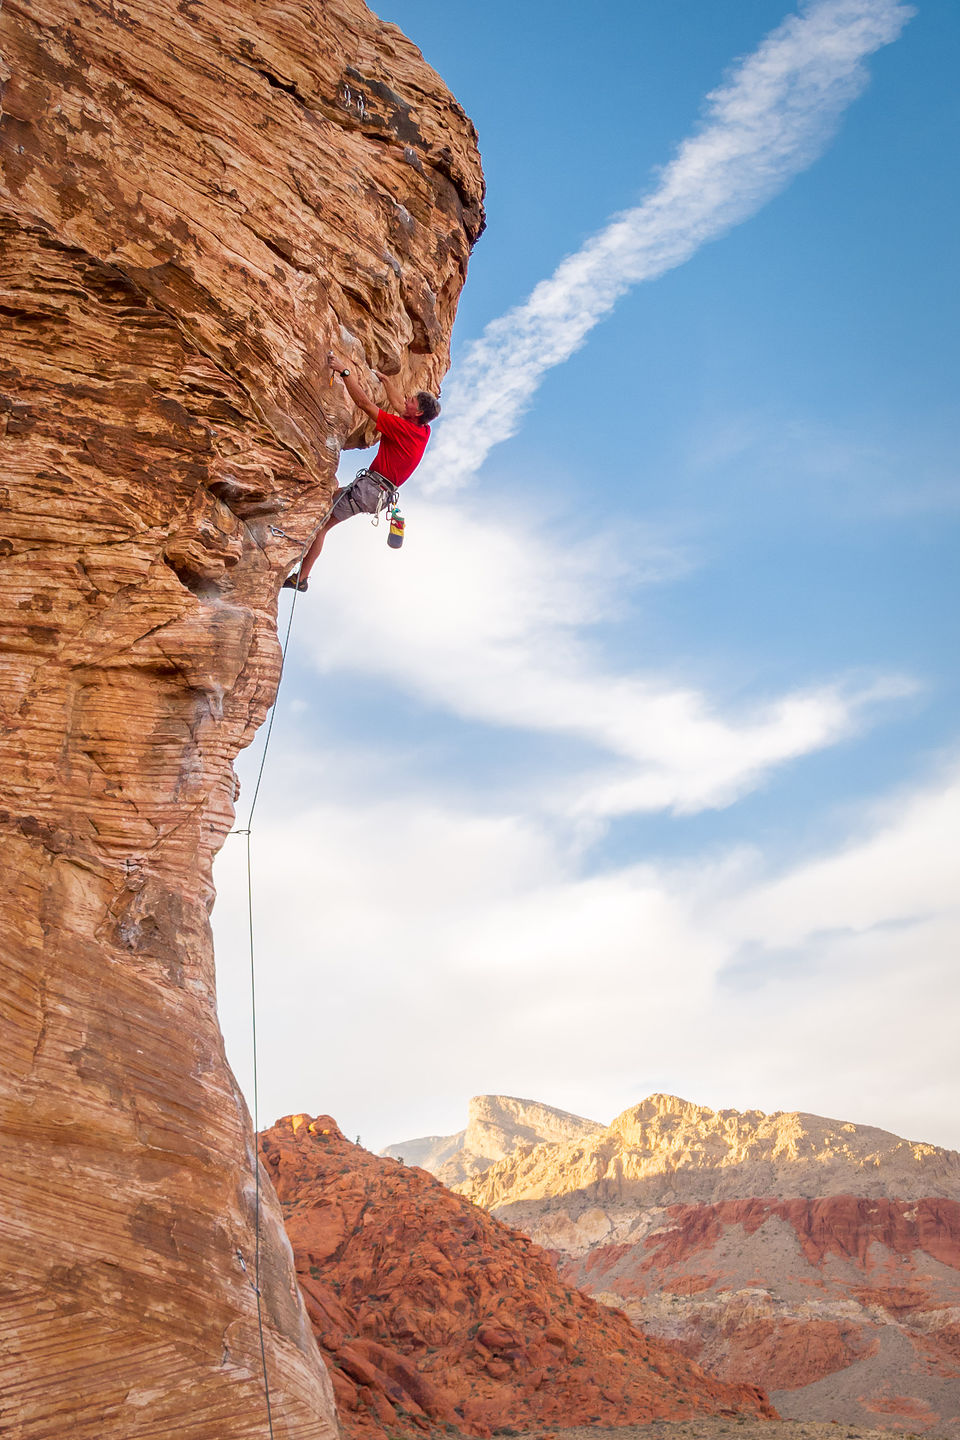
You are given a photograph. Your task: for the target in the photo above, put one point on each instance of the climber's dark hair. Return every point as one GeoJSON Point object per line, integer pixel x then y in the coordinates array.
{"type": "Point", "coordinates": [429, 406]}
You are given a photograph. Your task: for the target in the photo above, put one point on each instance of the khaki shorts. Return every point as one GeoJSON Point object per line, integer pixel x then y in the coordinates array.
{"type": "Point", "coordinates": [363, 496]}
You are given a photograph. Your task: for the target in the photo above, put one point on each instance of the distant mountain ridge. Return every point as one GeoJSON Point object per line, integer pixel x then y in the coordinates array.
{"type": "Point", "coordinates": [817, 1258]}
{"type": "Point", "coordinates": [497, 1125]}
{"type": "Point", "coordinates": [668, 1151]}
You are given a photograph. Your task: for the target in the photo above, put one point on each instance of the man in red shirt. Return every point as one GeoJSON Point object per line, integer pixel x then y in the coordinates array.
{"type": "Point", "coordinates": [403, 439]}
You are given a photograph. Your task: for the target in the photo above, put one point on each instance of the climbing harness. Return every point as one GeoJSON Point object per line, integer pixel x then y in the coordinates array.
{"type": "Point", "coordinates": [386, 504]}
{"type": "Point", "coordinates": [389, 494]}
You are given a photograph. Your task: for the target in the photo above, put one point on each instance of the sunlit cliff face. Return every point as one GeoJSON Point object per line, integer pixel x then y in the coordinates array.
{"type": "Point", "coordinates": [194, 206]}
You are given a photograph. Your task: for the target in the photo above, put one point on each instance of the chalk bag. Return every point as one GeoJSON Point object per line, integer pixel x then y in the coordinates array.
{"type": "Point", "coordinates": [395, 534]}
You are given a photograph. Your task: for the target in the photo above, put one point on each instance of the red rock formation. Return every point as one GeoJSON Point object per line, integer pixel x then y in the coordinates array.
{"type": "Point", "coordinates": [195, 200]}
{"type": "Point", "coordinates": [430, 1312]}
{"type": "Point", "coordinates": [904, 1411]}
{"type": "Point", "coordinates": [723, 1281]}
{"type": "Point", "coordinates": [844, 1226]}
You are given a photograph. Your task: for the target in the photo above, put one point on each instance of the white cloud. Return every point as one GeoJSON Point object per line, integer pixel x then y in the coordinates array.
{"type": "Point", "coordinates": [494, 624]}
{"type": "Point", "coordinates": [414, 950]}
{"type": "Point", "coordinates": [899, 873]}
{"type": "Point", "coordinates": [773, 118]}
{"type": "Point", "coordinates": [410, 955]}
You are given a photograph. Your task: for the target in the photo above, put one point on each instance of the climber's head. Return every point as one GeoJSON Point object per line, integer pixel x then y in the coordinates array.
{"type": "Point", "coordinates": [422, 407]}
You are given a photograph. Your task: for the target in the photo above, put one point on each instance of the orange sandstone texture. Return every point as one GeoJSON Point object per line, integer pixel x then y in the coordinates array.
{"type": "Point", "coordinates": [430, 1312]}
{"type": "Point", "coordinates": [196, 200]}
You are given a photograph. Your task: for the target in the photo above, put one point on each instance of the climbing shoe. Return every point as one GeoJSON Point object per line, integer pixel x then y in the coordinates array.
{"type": "Point", "coordinates": [293, 582]}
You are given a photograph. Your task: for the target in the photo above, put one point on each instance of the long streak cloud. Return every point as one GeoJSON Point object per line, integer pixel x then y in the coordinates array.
{"type": "Point", "coordinates": [771, 119]}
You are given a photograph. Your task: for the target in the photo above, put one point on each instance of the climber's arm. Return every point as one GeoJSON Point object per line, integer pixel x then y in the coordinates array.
{"type": "Point", "coordinates": [395, 396]}
{"type": "Point", "coordinates": [352, 385]}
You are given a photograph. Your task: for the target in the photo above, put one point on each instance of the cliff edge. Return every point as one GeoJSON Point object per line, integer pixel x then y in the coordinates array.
{"type": "Point", "coordinates": [196, 201]}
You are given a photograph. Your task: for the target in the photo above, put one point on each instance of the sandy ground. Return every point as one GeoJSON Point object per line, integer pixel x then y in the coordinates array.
{"type": "Point", "coordinates": [716, 1429]}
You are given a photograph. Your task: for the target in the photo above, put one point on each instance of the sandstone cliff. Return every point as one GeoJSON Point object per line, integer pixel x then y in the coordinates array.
{"type": "Point", "coordinates": [816, 1258]}
{"type": "Point", "coordinates": [497, 1125]}
{"type": "Point", "coordinates": [429, 1312]}
{"type": "Point", "coordinates": [195, 201]}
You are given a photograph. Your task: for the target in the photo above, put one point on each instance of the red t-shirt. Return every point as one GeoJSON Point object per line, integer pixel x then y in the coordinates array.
{"type": "Point", "coordinates": [402, 443]}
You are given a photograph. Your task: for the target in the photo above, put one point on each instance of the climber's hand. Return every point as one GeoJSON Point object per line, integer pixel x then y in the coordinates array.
{"type": "Point", "coordinates": [393, 392]}
{"type": "Point", "coordinates": [351, 384]}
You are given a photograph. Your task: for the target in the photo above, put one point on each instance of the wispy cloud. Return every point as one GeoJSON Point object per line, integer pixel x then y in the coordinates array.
{"type": "Point", "coordinates": [493, 624]}
{"type": "Point", "coordinates": [768, 122]}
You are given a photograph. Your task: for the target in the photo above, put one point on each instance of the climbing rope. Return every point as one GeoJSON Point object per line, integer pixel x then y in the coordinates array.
{"type": "Point", "coordinates": [256, 1136]}
{"type": "Point", "coordinates": [247, 831]}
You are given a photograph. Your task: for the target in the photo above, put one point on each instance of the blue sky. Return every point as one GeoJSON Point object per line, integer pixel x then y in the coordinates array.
{"type": "Point", "coordinates": [639, 766]}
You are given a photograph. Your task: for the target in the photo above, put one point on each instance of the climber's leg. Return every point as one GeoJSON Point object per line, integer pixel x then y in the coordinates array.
{"type": "Point", "coordinates": [361, 497]}
{"type": "Point", "coordinates": [316, 545]}
{"type": "Point", "coordinates": [341, 509]}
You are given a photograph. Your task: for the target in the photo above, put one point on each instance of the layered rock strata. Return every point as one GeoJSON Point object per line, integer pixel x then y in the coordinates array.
{"type": "Point", "coordinates": [843, 1308]}
{"type": "Point", "coordinates": [195, 202]}
{"type": "Point", "coordinates": [431, 1314]}
{"type": "Point", "coordinates": [817, 1258]}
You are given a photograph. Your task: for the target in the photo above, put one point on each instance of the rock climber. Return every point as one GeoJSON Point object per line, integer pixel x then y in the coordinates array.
{"type": "Point", "coordinates": [403, 439]}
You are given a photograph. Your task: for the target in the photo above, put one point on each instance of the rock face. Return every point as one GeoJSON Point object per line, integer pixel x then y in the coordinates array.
{"type": "Point", "coordinates": [497, 1126]}
{"type": "Point", "coordinates": [818, 1259]}
{"type": "Point", "coordinates": [195, 201]}
{"type": "Point", "coordinates": [431, 1313]}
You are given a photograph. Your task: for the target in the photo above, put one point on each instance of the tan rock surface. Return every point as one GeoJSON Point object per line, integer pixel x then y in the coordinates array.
{"type": "Point", "coordinates": [667, 1151]}
{"type": "Point", "coordinates": [195, 201]}
{"type": "Point", "coordinates": [497, 1127]}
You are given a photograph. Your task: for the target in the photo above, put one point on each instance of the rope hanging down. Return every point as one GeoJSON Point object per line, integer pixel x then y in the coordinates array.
{"type": "Point", "coordinates": [247, 830]}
